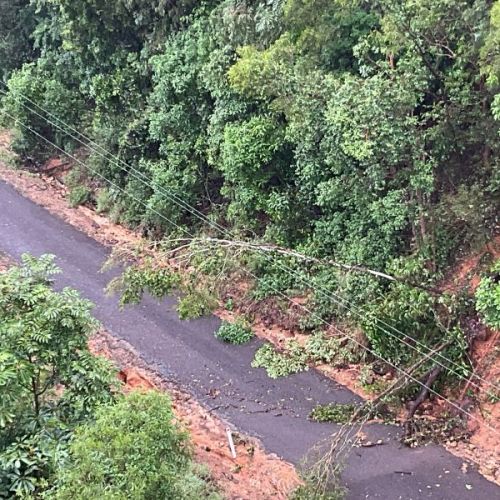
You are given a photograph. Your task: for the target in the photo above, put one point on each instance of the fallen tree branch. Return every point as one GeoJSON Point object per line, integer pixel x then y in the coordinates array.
{"type": "Point", "coordinates": [268, 248]}
{"type": "Point", "coordinates": [429, 378]}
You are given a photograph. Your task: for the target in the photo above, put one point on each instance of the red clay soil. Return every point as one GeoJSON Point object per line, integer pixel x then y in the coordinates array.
{"type": "Point", "coordinates": [252, 475]}
{"type": "Point", "coordinates": [467, 272]}
{"type": "Point", "coordinates": [5, 262]}
{"type": "Point", "coordinates": [484, 445]}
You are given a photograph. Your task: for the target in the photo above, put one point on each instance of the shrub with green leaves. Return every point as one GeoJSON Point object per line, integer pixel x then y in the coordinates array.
{"type": "Point", "coordinates": [234, 333]}
{"type": "Point", "coordinates": [322, 349]}
{"type": "Point", "coordinates": [195, 304]}
{"type": "Point", "coordinates": [334, 412]}
{"type": "Point", "coordinates": [136, 450]}
{"type": "Point", "coordinates": [281, 364]}
{"type": "Point", "coordinates": [488, 297]}
{"type": "Point", "coordinates": [79, 195]}
{"type": "Point", "coordinates": [139, 279]}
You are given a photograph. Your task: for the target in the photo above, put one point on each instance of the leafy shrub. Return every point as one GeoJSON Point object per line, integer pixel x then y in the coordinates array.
{"type": "Point", "coordinates": [36, 82]}
{"type": "Point", "coordinates": [279, 364]}
{"type": "Point", "coordinates": [234, 333]}
{"type": "Point", "coordinates": [322, 349]}
{"type": "Point", "coordinates": [79, 195]}
{"type": "Point", "coordinates": [488, 297]}
{"type": "Point", "coordinates": [136, 280]}
{"type": "Point", "coordinates": [274, 278]}
{"type": "Point", "coordinates": [104, 201]}
{"type": "Point", "coordinates": [196, 304]}
{"type": "Point", "coordinates": [339, 413]}
{"type": "Point", "coordinates": [134, 450]}
{"type": "Point", "coordinates": [28, 465]}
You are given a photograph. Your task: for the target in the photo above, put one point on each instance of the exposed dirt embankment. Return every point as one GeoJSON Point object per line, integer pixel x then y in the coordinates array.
{"type": "Point", "coordinates": [483, 447]}
{"type": "Point", "coordinates": [483, 403]}
{"type": "Point", "coordinates": [5, 262]}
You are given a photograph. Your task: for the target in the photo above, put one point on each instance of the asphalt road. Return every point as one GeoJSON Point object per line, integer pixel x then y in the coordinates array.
{"type": "Point", "coordinates": [187, 352]}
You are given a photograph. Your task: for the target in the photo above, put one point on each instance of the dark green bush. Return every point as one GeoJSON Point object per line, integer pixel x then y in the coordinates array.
{"type": "Point", "coordinates": [234, 333]}
{"type": "Point", "coordinates": [136, 450]}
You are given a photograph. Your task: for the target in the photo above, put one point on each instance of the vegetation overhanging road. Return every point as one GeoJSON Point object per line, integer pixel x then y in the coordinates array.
{"type": "Point", "coordinates": [188, 353]}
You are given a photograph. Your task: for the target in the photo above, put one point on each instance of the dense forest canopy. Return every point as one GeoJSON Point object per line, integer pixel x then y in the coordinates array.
{"type": "Point", "coordinates": [360, 131]}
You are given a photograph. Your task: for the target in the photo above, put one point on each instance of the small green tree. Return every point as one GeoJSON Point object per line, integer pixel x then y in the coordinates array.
{"type": "Point", "coordinates": [49, 381]}
{"type": "Point", "coordinates": [133, 450]}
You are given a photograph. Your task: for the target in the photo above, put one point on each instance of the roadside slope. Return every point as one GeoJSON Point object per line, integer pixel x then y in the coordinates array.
{"type": "Point", "coordinates": [220, 377]}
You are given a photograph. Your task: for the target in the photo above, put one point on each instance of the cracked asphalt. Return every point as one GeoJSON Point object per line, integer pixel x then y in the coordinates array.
{"type": "Point", "coordinates": [219, 375]}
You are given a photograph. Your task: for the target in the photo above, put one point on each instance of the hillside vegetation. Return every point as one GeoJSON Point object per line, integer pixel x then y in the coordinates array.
{"type": "Point", "coordinates": [331, 138]}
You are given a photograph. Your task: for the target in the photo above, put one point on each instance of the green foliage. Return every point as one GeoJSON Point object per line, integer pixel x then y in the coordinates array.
{"type": "Point", "coordinates": [490, 51]}
{"type": "Point", "coordinates": [17, 23]}
{"type": "Point", "coordinates": [338, 413]}
{"type": "Point", "coordinates": [133, 450]}
{"type": "Point", "coordinates": [136, 280]}
{"type": "Point", "coordinates": [234, 333]}
{"type": "Point", "coordinates": [79, 195]}
{"type": "Point", "coordinates": [488, 297]}
{"type": "Point", "coordinates": [426, 317]}
{"type": "Point", "coordinates": [279, 364]}
{"type": "Point", "coordinates": [276, 275]}
{"type": "Point", "coordinates": [195, 304]}
{"type": "Point", "coordinates": [309, 491]}
{"type": "Point", "coordinates": [322, 349]}
{"type": "Point", "coordinates": [104, 201]}
{"type": "Point", "coordinates": [356, 131]}
{"type": "Point", "coordinates": [35, 82]}
{"type": "Point", "coordinates": [49, 381]}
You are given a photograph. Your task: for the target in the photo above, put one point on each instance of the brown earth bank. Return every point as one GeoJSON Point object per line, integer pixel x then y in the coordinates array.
{"type": "Point", "coordinates": [5, 262]}
{"type": "Point", "coordinates": [47, 189]}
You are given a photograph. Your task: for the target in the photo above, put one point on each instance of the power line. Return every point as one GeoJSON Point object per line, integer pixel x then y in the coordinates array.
{"type": "Point", "coordinates": [184, 205]}
{"type": "Point", "coordinates": [278, 292]}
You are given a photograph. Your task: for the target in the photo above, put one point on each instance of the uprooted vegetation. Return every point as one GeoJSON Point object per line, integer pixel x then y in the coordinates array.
{"type": "Point", "coordinates": [237, 298]}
